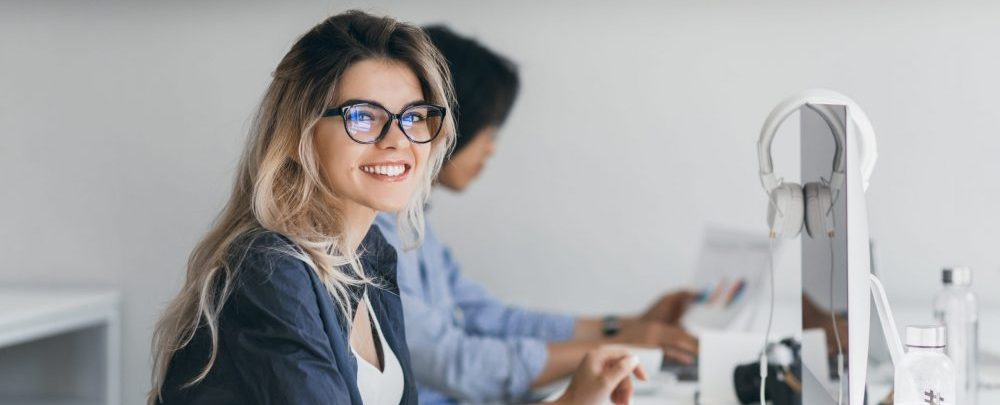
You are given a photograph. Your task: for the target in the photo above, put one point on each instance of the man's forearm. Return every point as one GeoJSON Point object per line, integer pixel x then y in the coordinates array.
{"type": "Point", "coordinates": [564, 357]}
{"type": "Point", "coordinates": [587, 329]}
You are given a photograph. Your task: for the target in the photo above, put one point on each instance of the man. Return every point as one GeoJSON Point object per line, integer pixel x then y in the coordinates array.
{"type": "Point", "coordinates": [465, 345]}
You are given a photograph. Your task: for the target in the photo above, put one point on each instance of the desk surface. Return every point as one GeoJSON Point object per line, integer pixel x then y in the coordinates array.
{"type": "Point", "coordinates": [669, 392]}
{"type": "Point", "coordinates": [32, 312]}
{"type": "Point", "coordinates": [683, 394]}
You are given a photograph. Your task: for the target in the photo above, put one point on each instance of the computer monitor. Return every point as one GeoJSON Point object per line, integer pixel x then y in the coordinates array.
{"type": "Point", "coordinates": [835, 269]}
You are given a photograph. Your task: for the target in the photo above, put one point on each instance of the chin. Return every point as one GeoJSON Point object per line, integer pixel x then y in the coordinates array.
{"type": "Point", "coordinates": [388, 205]}
{"type": "Point", "coordinates": [387, 197]}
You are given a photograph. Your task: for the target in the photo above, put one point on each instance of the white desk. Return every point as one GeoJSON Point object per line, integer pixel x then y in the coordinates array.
{"type": "Point", "coordinates": [906, 313]}
{"type": "Point", "coordinates": [59, 346]}
{"type": "Point", "coordinates": [684, 394]}
{"type": "Point", "coordinates": [668, 392]}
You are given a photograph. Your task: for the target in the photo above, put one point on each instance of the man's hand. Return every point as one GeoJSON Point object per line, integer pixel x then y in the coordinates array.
{"type": "Point", "coordinates": [677, 344]}
{"type": "Point", "coordinates": [669, 308]}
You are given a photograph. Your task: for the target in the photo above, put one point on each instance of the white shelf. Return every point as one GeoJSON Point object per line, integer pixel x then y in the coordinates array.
{"type": "Point", "coordinates": [34, 401]}
{"type": "Point", "coordinates": [64, 334]}
{"type": "Point", "coordinates": [34, 313]}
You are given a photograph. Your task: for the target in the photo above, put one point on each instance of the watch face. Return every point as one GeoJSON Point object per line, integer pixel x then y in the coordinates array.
{"type": "Point", "coordinates": [611, 325]}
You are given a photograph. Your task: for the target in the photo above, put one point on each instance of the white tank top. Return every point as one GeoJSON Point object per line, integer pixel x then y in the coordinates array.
{"type": "Point", "coordinates": [379, 387]}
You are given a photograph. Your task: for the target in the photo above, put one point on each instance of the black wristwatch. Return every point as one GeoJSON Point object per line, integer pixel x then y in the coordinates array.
{"type": "Point", "coordinates": [611, 325]}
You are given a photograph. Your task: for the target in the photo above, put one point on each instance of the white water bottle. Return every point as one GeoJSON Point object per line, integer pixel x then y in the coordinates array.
{"type": "Point", "coordinates": [925, 376]}
{"type": "Point", "coordinates": [955, 308]}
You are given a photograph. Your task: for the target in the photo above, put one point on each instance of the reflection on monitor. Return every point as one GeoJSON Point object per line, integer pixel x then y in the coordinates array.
{"type": "Point", "coordinates": [824, 266]}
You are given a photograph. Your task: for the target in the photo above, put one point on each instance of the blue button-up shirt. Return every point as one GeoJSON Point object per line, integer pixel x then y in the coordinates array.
{"type": "Point", "coordinates": [465, 345]}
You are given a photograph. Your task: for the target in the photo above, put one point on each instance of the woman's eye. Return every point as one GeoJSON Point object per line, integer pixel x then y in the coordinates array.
{"type": "Point", "coordinates": [360, 116]}
{"type": "Point", "coordinates": [413, 118]}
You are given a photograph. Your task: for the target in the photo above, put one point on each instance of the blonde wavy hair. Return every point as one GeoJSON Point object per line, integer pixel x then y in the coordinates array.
{"type": "Point", "coordinates": [279, 186]}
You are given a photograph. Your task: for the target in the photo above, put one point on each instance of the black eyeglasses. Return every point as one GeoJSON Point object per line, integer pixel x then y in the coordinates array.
{"type": "Point", "coordinates": [368, 121]}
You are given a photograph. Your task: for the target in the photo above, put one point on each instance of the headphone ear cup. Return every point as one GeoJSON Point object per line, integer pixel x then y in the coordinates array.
{"type": "Point", "coordinates": [819, 221]}
{"type": "Point", "coordinates": [785, 210]}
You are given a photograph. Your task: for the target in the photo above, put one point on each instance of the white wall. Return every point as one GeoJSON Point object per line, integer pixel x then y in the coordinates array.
{"type": "Point", "coordinates": [121, 125]}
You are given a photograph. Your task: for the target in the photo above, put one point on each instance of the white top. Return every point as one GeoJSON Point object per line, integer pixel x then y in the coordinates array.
{"type": "Point", "coordinates": [379, 387]}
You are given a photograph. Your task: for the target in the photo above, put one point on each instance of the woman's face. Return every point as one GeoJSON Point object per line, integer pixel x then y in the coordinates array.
{"type": "Point", "coordinates": [384, 175]}
{"type": "Point", "coordinates": [464, 166]}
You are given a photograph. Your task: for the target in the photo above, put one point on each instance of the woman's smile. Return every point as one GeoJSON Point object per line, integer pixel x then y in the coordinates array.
{"type": "Point", "coordinates": [388, 171]}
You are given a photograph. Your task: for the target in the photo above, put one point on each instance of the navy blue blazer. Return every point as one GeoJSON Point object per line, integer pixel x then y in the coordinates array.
{"type": "Point", "coordinates": [282, 339]}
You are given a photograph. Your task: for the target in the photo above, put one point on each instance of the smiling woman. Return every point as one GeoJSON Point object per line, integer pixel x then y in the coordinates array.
{"type": "Point", "coordinates": [276, 306]}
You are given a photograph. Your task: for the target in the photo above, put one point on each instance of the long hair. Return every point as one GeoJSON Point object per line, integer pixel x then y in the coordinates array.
{"type": "Point", "coordinates": [279, 186]}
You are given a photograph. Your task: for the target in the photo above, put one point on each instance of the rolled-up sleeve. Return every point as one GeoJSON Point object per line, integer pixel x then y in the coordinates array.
{"type": "Point", "coordinates": [272, 330]}
{"type": "Point", "coordinates": [492, 354]}
{"type": "Point", "coordinates": [467, 367]}
{"type": "Point", "coordinates": [485, 315]}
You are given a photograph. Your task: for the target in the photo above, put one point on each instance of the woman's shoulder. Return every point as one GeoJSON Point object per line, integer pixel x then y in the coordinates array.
{"type": "Point", "coordinates": [270, 277]}
{"type": "Point", "coordinates": [262, 241]}
{"type": "Point", "coordinates": [258, 256]}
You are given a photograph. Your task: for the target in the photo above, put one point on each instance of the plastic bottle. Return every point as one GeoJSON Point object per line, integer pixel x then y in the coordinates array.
{"type": "Point", "coordinates": [955, 308]}
{"type": "Point", "coordinates": [925, 376]}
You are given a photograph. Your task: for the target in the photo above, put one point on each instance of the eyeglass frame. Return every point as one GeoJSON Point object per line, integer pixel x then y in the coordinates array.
{"type": "Point", "coordinates": [342, 109]}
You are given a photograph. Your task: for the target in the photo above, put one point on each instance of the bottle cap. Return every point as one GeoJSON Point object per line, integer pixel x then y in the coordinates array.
{"type": "Point", "coordinates": [956, 275]}
{"type": "Point", "coordinates": [926, 336]}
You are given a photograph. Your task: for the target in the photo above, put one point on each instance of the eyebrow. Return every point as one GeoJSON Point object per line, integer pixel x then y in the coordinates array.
{"type": "Point", "coordinates": [362, 100]}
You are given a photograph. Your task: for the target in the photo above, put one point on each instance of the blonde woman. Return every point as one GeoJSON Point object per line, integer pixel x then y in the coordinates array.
{"type": "Point", "coordinates": [291, 298]}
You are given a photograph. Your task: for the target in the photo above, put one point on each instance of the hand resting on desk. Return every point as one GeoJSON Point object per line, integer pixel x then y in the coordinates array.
{"type": "Point", "coordinates": [604, 373]}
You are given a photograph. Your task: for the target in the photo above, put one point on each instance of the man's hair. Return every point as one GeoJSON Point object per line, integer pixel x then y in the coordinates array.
{"type": "Point", "coordinates": [486, 83]}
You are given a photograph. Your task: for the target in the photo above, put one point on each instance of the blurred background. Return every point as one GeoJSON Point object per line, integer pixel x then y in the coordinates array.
{"type": "Point", "coordinates": [121, 124]}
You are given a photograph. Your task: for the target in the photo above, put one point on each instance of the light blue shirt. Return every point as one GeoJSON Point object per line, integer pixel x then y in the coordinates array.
{"type": "Point", "coordinates": [465, 345]}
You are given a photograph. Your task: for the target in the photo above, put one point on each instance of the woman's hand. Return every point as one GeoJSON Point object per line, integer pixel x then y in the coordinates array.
{"type": "Point", "coordinates": [603, 374]}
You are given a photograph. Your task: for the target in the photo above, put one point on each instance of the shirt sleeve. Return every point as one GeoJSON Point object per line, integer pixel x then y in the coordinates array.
{"type": "Point", "coordinates": [455, 361]}
{"type": "Point", "coordinates": [466, 367]}
{"type": "Point", "coordinates": [273, 332]}
{"type": "Point", "coordinates": [485, 315]}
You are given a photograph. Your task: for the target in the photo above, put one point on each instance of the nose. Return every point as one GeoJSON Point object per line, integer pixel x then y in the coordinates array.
{"type": "Point", "coordinates": [394, 139]}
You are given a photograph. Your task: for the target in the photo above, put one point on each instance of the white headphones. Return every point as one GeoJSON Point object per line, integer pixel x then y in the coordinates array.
{"type": "Point", "coordinates": [790, 204]}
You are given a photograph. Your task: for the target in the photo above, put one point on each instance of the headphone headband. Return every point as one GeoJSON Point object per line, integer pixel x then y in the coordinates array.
{"type": "Point", "coordinates": [819, 100]}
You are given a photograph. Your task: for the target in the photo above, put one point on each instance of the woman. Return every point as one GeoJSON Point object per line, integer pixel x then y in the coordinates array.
{"type": "Point", "coordinates": [291, 298]}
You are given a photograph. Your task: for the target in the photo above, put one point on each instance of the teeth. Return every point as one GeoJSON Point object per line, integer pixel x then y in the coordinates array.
{"type": "Point", "coordinates": [390, 170]}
